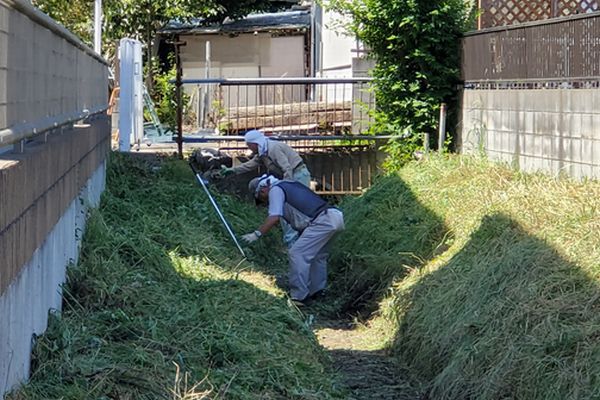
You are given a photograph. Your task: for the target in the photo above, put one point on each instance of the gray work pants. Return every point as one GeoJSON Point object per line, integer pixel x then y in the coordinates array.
{"type": "Point", "coordinates": [308, 255]}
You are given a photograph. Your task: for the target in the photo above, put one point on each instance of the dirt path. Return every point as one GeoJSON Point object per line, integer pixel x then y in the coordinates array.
{"type": "Point", "coordinates": [369, 374]}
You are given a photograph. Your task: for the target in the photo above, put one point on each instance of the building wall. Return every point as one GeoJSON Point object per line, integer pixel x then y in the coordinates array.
{"type": "Point", "coordinates": [47, 181]}
{"type": "Point", "coordinates": [245, 56]}
{"type": "Point", "coordinates": [260, 55]}
{"type": "Point", "coordinates": [334, 54]}
{"type": "Point", "coordinates": [25, 304]}
{"type": "Point", "coordinates": [552, 130]}
{"type": "Point", "coordinates": [337, 46]}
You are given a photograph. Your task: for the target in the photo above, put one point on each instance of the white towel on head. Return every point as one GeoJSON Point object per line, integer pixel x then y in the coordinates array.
{"type": "Point", "coordinates": [258, 138]}
{"type": "Point", "coordinates": [264, 181]}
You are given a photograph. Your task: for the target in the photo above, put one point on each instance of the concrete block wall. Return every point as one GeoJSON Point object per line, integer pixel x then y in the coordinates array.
{"type": "Point", "coordinates": [42, 72]}
{"type": "Point", "coordinates": [551, 130]}
{"type": "Point", "coordinates": [47, 76]}
{"type": "Point", "coordinates": [37, 186]}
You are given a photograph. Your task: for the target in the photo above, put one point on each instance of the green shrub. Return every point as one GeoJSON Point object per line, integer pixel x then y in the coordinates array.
{"type": "Point", "coordinates": [416, 45]}
{"type": "Point", "coordinates": [165, 99]}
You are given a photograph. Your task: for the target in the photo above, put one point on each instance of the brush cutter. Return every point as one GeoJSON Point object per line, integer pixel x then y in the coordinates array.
{"type": "Point", "coordinates": [216, 207]}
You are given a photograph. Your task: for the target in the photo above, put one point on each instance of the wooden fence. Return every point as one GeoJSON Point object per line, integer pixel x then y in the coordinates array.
{"type": "Point", "coordinates": [509, 12]}
{"type": "Point", "coordinates": [564, 50]}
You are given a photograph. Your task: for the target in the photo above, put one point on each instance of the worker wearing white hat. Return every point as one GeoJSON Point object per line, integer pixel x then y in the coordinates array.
{"type": "Point", "coordinates": [309, 214]}
{"type": "Point", "coordinates": [280, 160]}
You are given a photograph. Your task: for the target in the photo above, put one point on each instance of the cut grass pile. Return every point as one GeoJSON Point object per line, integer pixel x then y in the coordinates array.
{"type": "Point", "coordinates": [160, 305]}
{"type": "Point", "coordinates": [505, 300]}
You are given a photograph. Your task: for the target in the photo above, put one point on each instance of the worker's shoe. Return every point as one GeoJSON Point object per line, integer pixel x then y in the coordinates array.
{"type": "Point", "coordinates": [319, 294]}
{"type": "Point", "coordinates": [300, 303]}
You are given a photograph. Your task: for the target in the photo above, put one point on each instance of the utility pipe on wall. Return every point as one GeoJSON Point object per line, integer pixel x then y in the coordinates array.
{"type": "Point", "coordinates": [98, 26]}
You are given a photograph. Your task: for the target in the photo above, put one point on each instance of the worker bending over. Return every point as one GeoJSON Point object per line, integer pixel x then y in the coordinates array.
{"type": "Point", "coordinates": [277, 157]}
{"type": "Point", "coordinates": [280, 160]}
{"type": "Point", "coordinates": [309, 214]}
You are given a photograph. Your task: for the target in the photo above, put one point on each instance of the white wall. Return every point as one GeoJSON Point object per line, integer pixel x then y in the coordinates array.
{"type": "Point", "coordinates": [244, 56]}
{"type": "Point", "coordinates": [337, 47]}
{"type": "Point", "coordinates": [336, 55]}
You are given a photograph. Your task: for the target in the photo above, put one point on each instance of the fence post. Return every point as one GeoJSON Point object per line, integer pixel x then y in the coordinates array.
{"type": "Point", "coordinates": [442, 130]}
{"type": "Point", "coordinates": [178, 84]}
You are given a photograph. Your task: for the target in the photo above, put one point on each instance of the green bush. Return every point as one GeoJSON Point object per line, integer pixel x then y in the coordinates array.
{"type": "Point", "coordinates": [165, 99]}
{"type": "Point", "coordinates": [416, 46]}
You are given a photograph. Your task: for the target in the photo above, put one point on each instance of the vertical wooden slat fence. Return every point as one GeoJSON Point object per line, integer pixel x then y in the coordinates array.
{"type": "Point", "coordinates": [566, 48]}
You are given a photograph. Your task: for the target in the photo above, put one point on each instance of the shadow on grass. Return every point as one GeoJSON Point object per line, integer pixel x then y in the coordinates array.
{"type": "Point", "coordinates": [506, 317]}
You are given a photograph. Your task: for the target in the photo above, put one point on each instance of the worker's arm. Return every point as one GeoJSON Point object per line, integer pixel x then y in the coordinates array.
{"type": "Point", "coordinates": [270, 222]}
{"type": "Point", "coordinates": [249, 165]}
{"type": "Point", "coordinates": [276, 201]}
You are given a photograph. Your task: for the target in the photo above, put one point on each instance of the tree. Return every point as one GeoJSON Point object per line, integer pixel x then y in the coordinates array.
{"type": "Point", "coordinates": [140, 19]}
{"type": "Point", "coordinates": [75, 15]}
{"type": "Point", "coordinates": [416, 45]}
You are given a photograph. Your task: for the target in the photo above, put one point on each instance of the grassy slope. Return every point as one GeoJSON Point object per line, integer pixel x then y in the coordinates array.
{"type": "Point", "coordinates": [160, 306]}
{"type": "Point", "coordinates": [505, 302]}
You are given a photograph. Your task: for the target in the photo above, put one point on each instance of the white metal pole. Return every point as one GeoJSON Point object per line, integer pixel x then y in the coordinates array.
{"type": "Point", "coordinates": [217, 209]}
{"type": "Point", "coordinates": [125, 94]}
{"type": "Point", "coordinates": [98, 26]}
{"type": "Point", "coordinates": [207, 94]}
{"type": "Point", "coordinates": [131, 118]}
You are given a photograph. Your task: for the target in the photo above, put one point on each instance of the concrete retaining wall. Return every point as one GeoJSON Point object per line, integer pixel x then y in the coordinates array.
{"type": "Point", "coordinates": [24, 305]}
{"type": "Point", "coordinates": [48, 79]}
{"type": "Point", "coordinates": [551, 130]}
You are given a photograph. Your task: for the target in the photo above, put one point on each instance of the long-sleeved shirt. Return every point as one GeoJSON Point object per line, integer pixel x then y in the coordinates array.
{"type": "Point", "coordinates": [280, 160]}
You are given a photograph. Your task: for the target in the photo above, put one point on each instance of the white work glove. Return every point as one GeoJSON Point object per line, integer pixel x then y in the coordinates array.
{"type": "Point", "coordinates": [251, 237]}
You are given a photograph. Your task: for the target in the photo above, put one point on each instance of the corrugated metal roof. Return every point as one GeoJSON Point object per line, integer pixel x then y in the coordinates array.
{"type": "Point", "coordinates": [287, 20]}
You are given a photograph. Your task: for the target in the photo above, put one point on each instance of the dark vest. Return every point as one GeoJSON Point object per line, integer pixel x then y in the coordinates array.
{"type": "Point", "coordinates": [302, 198]}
